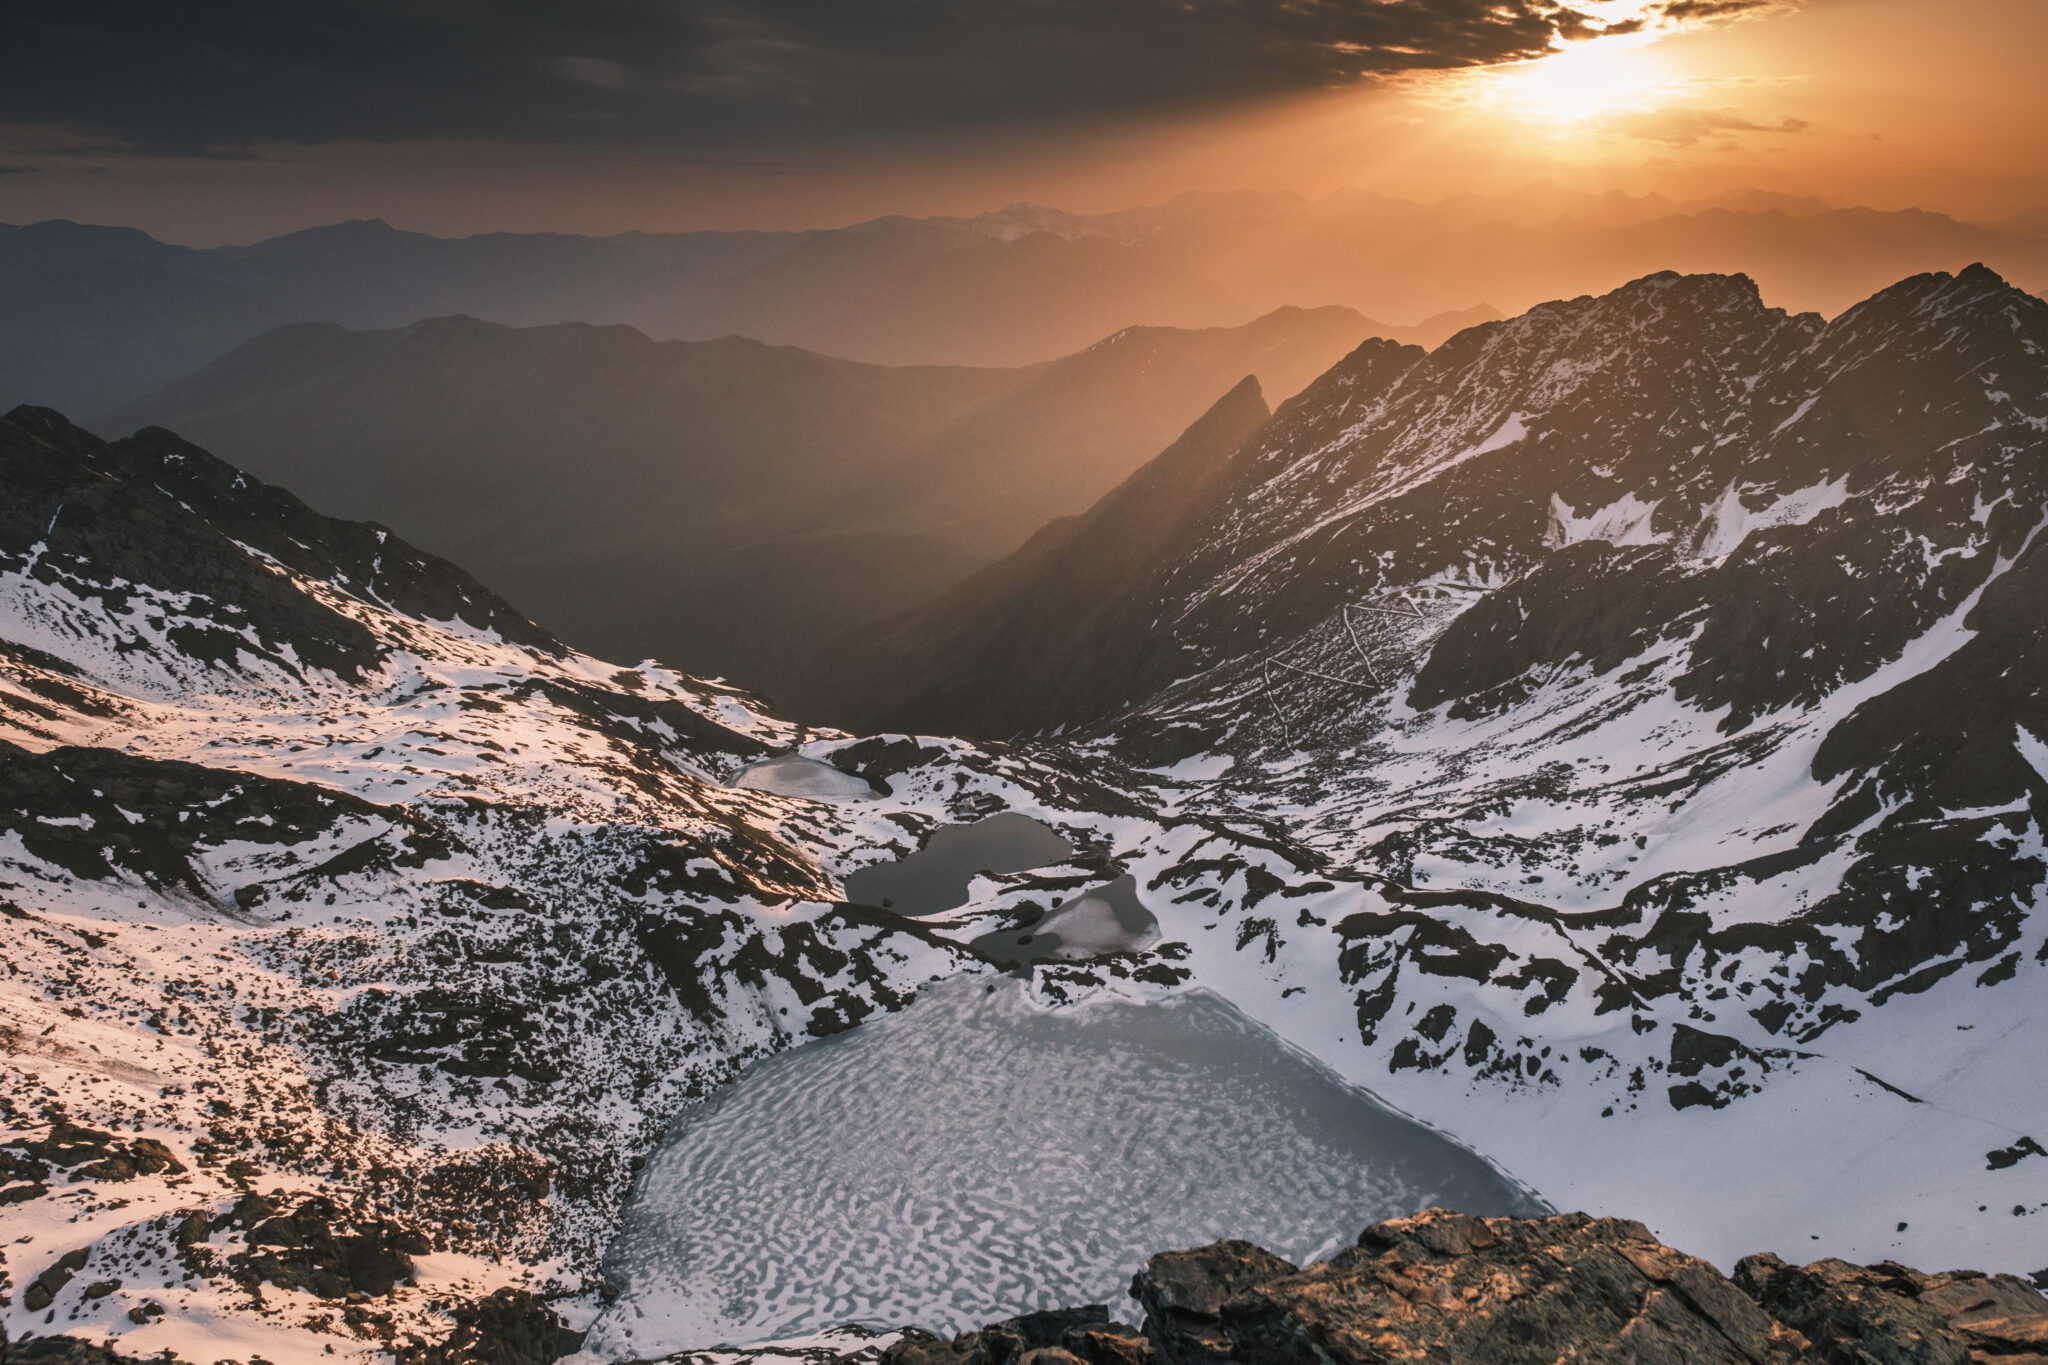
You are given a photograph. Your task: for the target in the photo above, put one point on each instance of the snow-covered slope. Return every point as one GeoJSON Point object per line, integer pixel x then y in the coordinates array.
{"type": "Point", "coordinates": [327, 874]}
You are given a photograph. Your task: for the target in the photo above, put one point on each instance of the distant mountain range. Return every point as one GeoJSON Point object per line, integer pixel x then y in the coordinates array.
{"type": "Point", "coordinates": [94, 317]}
{"type": "Point", "coordinates": [723, 505]}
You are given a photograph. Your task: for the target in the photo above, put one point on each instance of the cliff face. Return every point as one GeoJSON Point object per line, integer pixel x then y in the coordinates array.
{"type": "Point", "coordinates": [1445, 1287]}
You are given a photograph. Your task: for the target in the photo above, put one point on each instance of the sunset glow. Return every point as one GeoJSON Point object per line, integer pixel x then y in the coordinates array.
{"type": "Point", "coordinates": [1583, 82]}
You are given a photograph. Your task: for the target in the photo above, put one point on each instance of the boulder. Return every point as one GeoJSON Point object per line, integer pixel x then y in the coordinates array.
{"type": "Point", "coordinates": [1443, 1286]}
{"type": "Point", "coordinates": [509, 1327]}
{"type": "Point", "coordinates": [1054, 1336]}
{"type": "Point", "coordinates": [1184, 1294]}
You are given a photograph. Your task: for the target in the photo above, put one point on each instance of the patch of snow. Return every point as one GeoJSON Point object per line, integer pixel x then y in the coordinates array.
{"type": "Point", "coordinates": [1728, 523]}
{"type": "Point", "coordinates": [1197, 768]}
{"type": "Point", "coordinates": [1625, 521]}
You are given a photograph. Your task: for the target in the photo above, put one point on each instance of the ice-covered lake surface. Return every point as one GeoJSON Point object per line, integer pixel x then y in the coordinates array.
{"type": "Point", "coordinates": [795, 775]}
{"type": "Point", "coordinates": [979, 1155]}
{"type": "Point", "coordinates": [936, 877]}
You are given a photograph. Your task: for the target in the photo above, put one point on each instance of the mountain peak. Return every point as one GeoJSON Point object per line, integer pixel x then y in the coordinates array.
{"type": "Point", "coordinates": [1732, 287]}
{"type": "Point", "coordinates": [1937, 296]}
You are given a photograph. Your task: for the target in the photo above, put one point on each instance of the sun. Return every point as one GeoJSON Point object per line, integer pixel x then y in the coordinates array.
{"type": "Point", "coordinates": [1580, 83]}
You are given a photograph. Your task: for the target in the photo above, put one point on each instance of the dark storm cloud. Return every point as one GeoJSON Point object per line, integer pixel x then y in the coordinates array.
{"type": "Point", "coordinates": [221, 74]}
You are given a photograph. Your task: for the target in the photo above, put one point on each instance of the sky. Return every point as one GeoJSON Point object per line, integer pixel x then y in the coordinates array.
{"type": "Point", "coordinates": [222, 121]}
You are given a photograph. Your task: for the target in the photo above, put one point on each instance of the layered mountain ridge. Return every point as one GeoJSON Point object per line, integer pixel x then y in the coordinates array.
{"type": "Point", "coordinates": [721, 505]}
{"type": "Point", "coordinates": [100, 316]}
{"type": "Point", "coordinates": [1656, 650]}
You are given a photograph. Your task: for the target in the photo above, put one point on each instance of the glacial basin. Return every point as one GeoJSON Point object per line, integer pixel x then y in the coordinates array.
{"type": "Point", "coordinates": [979, 1155]}
{"type": "Point", "coordinates": [936, 877]}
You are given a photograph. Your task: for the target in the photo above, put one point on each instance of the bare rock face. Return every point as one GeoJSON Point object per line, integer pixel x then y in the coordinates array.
{"type": "Point", "coordinates": [1445, 1287]}
{"type": "Point", "coordinates": [508, 1327]}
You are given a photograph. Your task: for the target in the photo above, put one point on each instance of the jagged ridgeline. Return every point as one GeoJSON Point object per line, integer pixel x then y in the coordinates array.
{"type": "Point", "coordinates": [1615, 738]}
{"type": "Point", "coordinates": [1705, 639]}
{"type": "Point", "coordinates": [1659, 655]}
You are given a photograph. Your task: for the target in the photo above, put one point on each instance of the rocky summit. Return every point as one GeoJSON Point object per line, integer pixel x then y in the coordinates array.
{"type": "Point", "coordinates": [1449, 1288]}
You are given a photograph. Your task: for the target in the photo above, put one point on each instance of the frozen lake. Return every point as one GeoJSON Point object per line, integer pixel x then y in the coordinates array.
{"type": "Point", "coordinates": [978, 1155]}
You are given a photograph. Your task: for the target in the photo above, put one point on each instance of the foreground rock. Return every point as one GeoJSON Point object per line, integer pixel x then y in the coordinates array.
{"type": "Point", "coordinates": [1447, 1287]}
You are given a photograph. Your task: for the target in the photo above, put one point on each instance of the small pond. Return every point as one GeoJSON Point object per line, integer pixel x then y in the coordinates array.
{"type": "Point", "coordinates": [936, 877]}
{"type": "Point", "coordinates": [978, 1155]}
{"type": "Point", "coordinates": [795, 775]}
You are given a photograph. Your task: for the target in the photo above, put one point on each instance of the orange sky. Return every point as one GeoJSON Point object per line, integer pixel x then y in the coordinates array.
{"type": "Point", "coordinates": [1891, 103]}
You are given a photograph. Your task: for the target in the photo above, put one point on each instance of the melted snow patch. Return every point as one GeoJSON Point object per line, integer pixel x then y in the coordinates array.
{"type": "Point", "coordinates": [1515, 428]}
{"type": "Point", "coordinates": [1198, 768]}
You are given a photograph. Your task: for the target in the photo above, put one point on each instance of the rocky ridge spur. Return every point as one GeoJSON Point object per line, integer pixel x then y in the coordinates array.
{"type": "Point", "coordinates": [1446, 1287]}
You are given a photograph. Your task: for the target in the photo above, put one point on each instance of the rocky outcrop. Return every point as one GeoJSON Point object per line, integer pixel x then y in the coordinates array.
{"type": "Point", "coordinates": [1889, 1312]}
{"type": "Point", "coordinates": [509, 1327]}
{"type": "Point", "coordinates": [26, 1164]}
{"type": "Point", "coordinates": [1056, 1336]}
{"type": "Point", "coordinates": [315, 1247]}
{"type": "Point", "coordinates": [1450, 1288]}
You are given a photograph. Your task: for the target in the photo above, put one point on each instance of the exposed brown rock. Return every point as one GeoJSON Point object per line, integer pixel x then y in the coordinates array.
{"type": "Point", "coordinates": [47, 1285]}
{"type": "Point", "coordinates": [509, 1327]}
{"type": "Point", "coordinates": [1111, 1344]}
{"type": "Point", "coordinates": [87, 1153]}
{"type": "Point", "coordinates": [1445, 1287]}
{"type": "Point", "coordinates": [313, 1245]}
{"type": "Point", "coordinates": [1892, 1313]}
